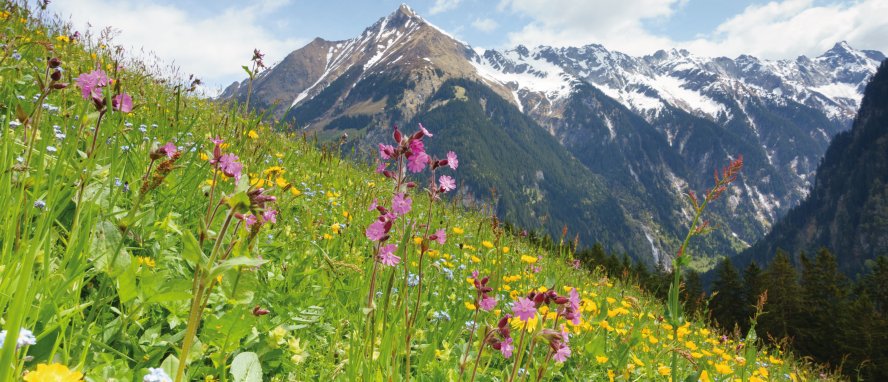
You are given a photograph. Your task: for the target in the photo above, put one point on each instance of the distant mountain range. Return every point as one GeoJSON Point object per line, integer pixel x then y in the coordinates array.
{"type": "Point", "coordinates": [847, 210]}
{"type": "Point", "coordinates": [584, 137]}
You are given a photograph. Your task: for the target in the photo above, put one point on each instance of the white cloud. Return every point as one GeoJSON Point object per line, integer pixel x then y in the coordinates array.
{"type": "Point", "coordinates": [794, 27]}
{"type": "Point", "coordinates": [444, 6]}
{"type": "Point", "coordinates": [485, 24]}
{"type": "Point", "coordinates": [615, 23]}
{"type": "Point", "coordinates": [778, 29]}
{"type": "Point", "coordinates": [213, 47]}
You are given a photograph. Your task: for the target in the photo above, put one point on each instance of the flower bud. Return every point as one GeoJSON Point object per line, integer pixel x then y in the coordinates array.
{"type": "Point", "coordinates": [56, 75]}
{"type": "Point", "coordinates": [503, 322]}
{"type": "Point", "coordinates": [59, 85]}
{"type": "Point", "coordinates": [397, 135]}
{"type": "Point", "coordinates": [55, 62]}
{"type": "Point", "coordinates": [539, 299]}
{"type": "Point", "coordinates": [257, 311]}
{"type": "Point", "coordinates": [417, 135]}
{"type": "Point", "coordinates": [411, 184]}
{"type": "Point", "coordinates": [561, 300]}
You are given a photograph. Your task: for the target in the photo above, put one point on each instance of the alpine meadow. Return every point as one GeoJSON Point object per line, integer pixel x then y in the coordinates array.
{"type": "Point", "coordinates": [404, 206]}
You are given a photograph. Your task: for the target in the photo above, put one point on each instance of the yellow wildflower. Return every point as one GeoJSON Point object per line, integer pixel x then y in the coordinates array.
{"type": "Point", "coordinates": [335, 227]}
{"type": "Point", "coordinates": [470, 306]}
{"type": "Point", "coordinates": [475, 259]}
{"type": "Point", "coordinates": [54, 372]}
{"type": "Point", "coordinates": [505, 249]}
{"type": "Point", "coordinates": [295, 191]}
{"type": "Point", "coordinates": [458, 231]}
{"type": "Point", "coordinates": [63, 38]}
{"type": "Point", "coordinates": [664, 370]}
{"type": "Point", "coordinates": [204, 156]}
{"type": "Point", "coordinates": [723, 368]}
{"type": "Point", "coordinates": [253, 134]}
{"type": "Point", "coordinates": [487, 244]}
{"type": "Point", "coordinates": [601, 358]}
{"type": "Point", "coordinates": [528, 259]}
{"type": "Point", "coordinates": [281, 182]}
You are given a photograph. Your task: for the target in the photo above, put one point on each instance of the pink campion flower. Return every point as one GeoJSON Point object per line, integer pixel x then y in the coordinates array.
{"type": "Point", "coordinates": [230, 166]}
{"type": "Point", "coordinates": [506, 347]}
{"type": "Point", "coordinates": [91, 84]}
{"type": "Point", "coordinates": [417, 161]}
{"type": "Point", "coordinates": [417, 146]}
{"type": "Point", "coordinates": [381, 167]}
{"type": "Point", "coordinates": [524, 309]}
{"type": "Point", "coordinates": [270, 216]}
{"type": "Point", "coordinates": [562, 354]}
{"type": "Point", "coordinates": [376, 230]}
{"type": "Point", "coordinates": [441, 236]}
{"type": "Point", "coordinates": [401, 205]}
{"type": "Point", "coordinates": [373, 205]}
{"type": "Point", "coordinates": [424, 131]}
{"type": "Point", "coordinates": [576, 264]}
{"type": "Point", "coordinates": [169, 149]}
{"type": "Point", "coordinates": [387, 255]}
{"type": "Point", "coordinates": [487, 303]}
{"type": "Point", "coordinates": [386, 151]}
{"type": "Point", "coordinates": [451, 160]}
{"type": "Point", "coordinates": [447, 183]}
{"type": "Point", "coordinates": [122, 102]}
{"type": "Point", "coordinates": [574, 299]}
{"type": "Point", "coordinates": [249, 220]}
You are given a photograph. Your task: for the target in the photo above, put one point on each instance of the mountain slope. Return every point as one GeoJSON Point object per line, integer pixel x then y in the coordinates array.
{"type": "Point", "coordinates": [643, 129]}
{"type": "Point", "coordinates": [847, 210]}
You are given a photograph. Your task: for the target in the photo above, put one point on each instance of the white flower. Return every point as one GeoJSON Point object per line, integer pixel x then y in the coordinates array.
{"type": "Point", "coordinates": [156, 375]}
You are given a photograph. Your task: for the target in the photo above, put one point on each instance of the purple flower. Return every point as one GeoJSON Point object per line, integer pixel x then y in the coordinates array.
{"type": "Point", "coordinates": [524, 309]}
{"type": "Point", "coordinates": [270, 216]}
{"type": "Point", "coordinates": [387, 255]}
{"type": "Point", "coordinates": [417, 161]}
{"type": "Point", "coordinates": [386, 151]}
{"type": "Point", "coordinates": [447, 183]}
{"type": "Point", "coordinates": [506, 348]}
{"type": "Point", "coordinates": [440, 236]}
{"type": "Point", "coordinates": [372, 205]}
{"type": "Point", "coordinates": [562, 354]}
{"type": "Point", "coordinates": [424, 131]}
{"type": "Point", "coordinates": [487, 303]}
{"type": "Point", "coordinates": [401, 205]}
{"type": "Point", "coordinates": [451, 160]}
{"type": "Point", "coordinates": [169, 149]}
{"type": "Point", "coordinates": [230, 166]}
{"type": "Point", "coordinates": [381, 167]}
{"type": "Point", "coordinates": [122, 102]}
{"type": "Point", "coordinates": [250, 219]}
{"type": "Point", "coordinates": [417, 146]}
{"type": "Point", "coordinates": [91, 84]}
{"type": "Point", "coordinates": [376, 231]}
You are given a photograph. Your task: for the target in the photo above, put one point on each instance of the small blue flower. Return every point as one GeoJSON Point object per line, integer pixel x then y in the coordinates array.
{"type": "Point", "coordinates": [125, 148]}
{"type": "Point", "coordinates": [25, 338]}
{"type": "Point", "coordinates": [14, 123]}
{"type": "Point", "coordinates": [51, 149]}
{"type": "Point", "coordinates": [16, 56]}
{"type": "Point", "coordinates": [39, 204]}
{"type": "Point", "coordinates": [412, 280]}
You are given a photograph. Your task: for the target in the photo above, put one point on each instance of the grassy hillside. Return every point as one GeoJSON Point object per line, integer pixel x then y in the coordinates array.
{"type": "Point", "coordinates": [132, 241]}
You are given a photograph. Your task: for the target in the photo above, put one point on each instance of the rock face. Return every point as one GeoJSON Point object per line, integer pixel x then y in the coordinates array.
{"type": "Point", "coordinates": [637, 132]}
{"type": "Point", "coordinates": [847, 210]}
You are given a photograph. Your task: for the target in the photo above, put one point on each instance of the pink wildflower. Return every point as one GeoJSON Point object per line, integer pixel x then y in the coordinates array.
{"type": "Point", "coordinates": [387, 255]}
{"type": "Point", "coordinates": [122, 102]}
{"type": "Point", "coordinates": [169, 149]}
{"type": "Point", "coordinates": [91, 84]}
{"type": "Point", "coordinates": [249, 220]}
{"type": "Point", "coordinates": [506, 348]}
{"type": "Point", "coordinates": [447, 183]}
{"type": "Point", "coordinates": [417, 161]}
{"type": "Point", "coordinates": [230, 166]}
{"type": "Point", "coordinates": [487, 303]}
{"type": "Point", "coordinates": [386, 151]}
{"type": "Point", "coordinates": [524, 309]}
{"type": "Point", "coordinates": [376, 231]}
{"type": "Point", "coordinates": [270, 216]}
{"type": "Point", "coordinates": [440, 236]}
{"type": "Point", "coordinates": [424, 131]}
{"type": "Point", "coordinates": [372, 205]}
{"type": "Point", "coordinates": [401, 205]}
{"type": "Point", "coordinates": [562, 354]}
{"type": "Point", "coordinates": [451, 160]}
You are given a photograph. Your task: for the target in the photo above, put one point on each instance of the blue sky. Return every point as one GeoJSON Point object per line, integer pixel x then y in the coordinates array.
{"type": "Point", "coordinates": [213, 38]}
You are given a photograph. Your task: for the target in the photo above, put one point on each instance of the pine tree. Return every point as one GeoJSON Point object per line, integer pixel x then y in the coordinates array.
{"type": "Point", "coordinates": [753, 281]}
{"type": "Point", "coordinates": [692, 293]}
{"type": "Point", "coordinates": [824, 304]}
{"type": "Point", "coordinates": [727, 304]}
{"type": "Point", "coordinates": [784, 301]}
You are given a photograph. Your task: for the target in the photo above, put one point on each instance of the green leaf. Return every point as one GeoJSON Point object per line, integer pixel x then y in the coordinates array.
{"type": "Point", "coordinates": [694, 377]}
{"type": "Point", "coordinates": [170, 365]}
{"type": "Point", "coordinates": [126, 285]}
{"type": "Point", "coordinates": [191, 251]}
{"type": "Point", "coordinates": [106, 249]}
{"type": "Point", "coordinates": [235, 262]}
{"type": "Point", "coordinates": [247, 69]}
{"type": "Point", "coordinates": [239, 202]}
{"type": "Point", "coordinates": [246, 368]}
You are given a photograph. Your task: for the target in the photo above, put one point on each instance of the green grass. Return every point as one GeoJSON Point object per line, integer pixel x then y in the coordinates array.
{"type": "Point", "coordinates": [103, 273]}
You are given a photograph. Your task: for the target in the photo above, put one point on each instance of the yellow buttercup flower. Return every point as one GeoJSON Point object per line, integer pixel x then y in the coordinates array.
{"type": "Point", "coordinates": [723, 368]}
{"type": "Point", "coordinates": [664, 370]}
{"type": "Point", "coordinates": [528, 259]}
{"type": "Point", "coordinates": [458, 231]}
{"type": "Point", "coordinates": [487, 244]}
{"type": "Point", "coordinates": [253, 134]}
{"type": "Point", "coordinates": [601, 358]}
{"type": "Point", "coordinates": [295, 191]}
{"type": "Point", "coordinates": [53, 373]}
